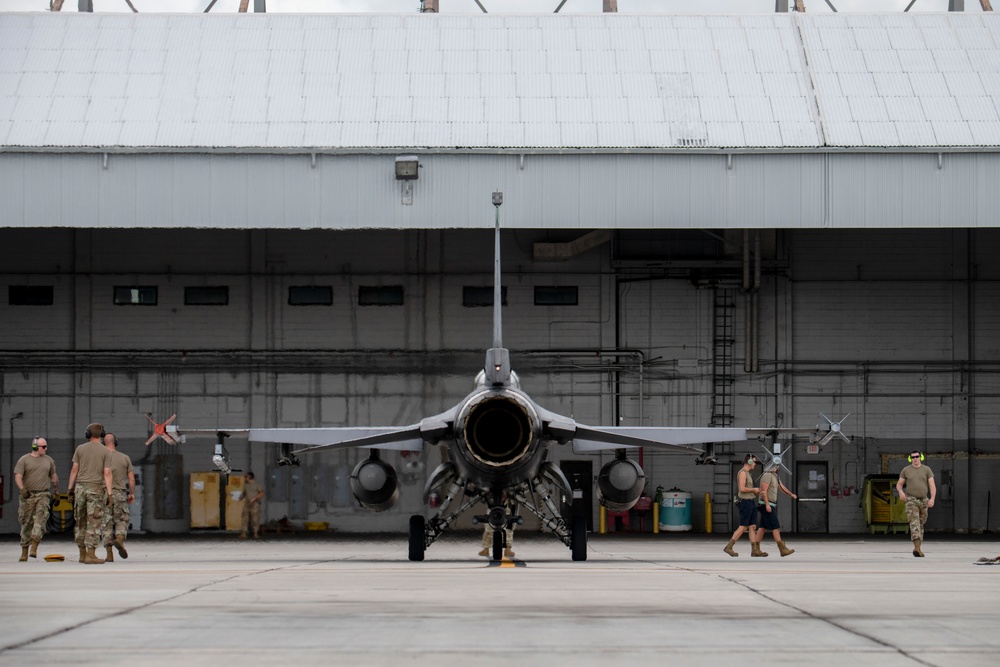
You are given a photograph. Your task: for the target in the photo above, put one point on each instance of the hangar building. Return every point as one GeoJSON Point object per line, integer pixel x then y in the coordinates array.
{"type": "Point", "coordinates": [708, 220]}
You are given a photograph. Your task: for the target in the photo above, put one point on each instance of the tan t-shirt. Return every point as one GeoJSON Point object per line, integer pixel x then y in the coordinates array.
{"type": "Point", "coordinates": [916, 481]}
{"type": "Point", "coordinates": [93, 458]}
{"type": "Point", "coordinates": [772, 482]}
{"type": "Point", "coordinates": [121, 466]}
{"type": "Point", "coordinates": [748, 482]}
{"type": "Point", "coordinates": [251, 488]}
{"type": "Point", "coordinates": [36, 471]}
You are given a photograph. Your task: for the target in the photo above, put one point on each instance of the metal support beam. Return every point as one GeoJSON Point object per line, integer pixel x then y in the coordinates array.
{"type": "Point", "coordinates": [956, 5]}
{"type": "Point", "coordinates": [85, 6]}
{"type": "Point", "coordinates": [781, 6]}
{"type": "Point", "coordinates": [259, 6]}
{"type": "Point", "coordinates": [563, 251]}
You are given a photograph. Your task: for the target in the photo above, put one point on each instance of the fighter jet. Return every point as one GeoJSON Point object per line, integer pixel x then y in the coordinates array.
{"type": "Point", "coordinates": [498, 444]}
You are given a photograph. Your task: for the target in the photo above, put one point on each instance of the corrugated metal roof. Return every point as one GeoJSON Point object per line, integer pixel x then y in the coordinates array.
{"type": "Point", "coordinates": [301, 82]}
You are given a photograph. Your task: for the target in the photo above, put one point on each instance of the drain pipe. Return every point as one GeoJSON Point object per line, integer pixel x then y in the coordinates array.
{"type": "Point", "coordinates": [750, 331]}
{"type": "Point", "coordinates": [755, 334]}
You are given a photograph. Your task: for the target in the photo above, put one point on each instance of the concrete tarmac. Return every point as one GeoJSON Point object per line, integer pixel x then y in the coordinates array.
{"type": "Point", "coordinates": [666, 599]}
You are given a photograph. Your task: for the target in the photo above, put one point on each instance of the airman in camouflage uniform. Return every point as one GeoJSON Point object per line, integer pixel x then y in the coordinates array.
{"type": "Point", "coordinates": [919, 496]}
{"type": "Point", "coordinates": [92, 469]}
{"type": "Point", "coordinates": [33, 474]}
{"type": "Point", "coordinates": [252, 494]}
{"type": "Point", "coordinates": [118, 516]}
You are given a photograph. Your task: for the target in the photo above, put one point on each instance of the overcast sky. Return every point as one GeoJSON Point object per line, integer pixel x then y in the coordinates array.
{"type": "Point", "coordinates": [496, 6]}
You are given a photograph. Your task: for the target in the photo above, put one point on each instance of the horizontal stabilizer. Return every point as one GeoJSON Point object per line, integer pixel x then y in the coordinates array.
{"type": "Point", "coordinates": [680, 438]}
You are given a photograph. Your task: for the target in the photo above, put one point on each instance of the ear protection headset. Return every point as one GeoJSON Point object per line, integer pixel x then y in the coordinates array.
{"type": "Point", "coordinates": [34, 443]}
{"type": "Point", "coordinates": [89, 434]}
{"type": "Point", "coordinates": [909, 457]}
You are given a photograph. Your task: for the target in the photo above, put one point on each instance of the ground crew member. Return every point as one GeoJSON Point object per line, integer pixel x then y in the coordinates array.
{"type": "Point", "coordinates": [919, 496]}
{"type": "Point", "coordinates": [33, 474]}
{"type": "Point", "coordinates": [253, 493]}
{"type": "Point", "coordinates": [747, 507]}
{"type": "Point", "coordinates": [118, 516]}
{"type": "Point", "coordinates": [768, 506]}
{"type": "Point", "coordinates": [92, 469]}
{"type": "Point", "coordinates": [508, 551]}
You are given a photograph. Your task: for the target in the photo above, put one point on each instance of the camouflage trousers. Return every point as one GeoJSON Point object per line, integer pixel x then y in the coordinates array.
{"type": "Point", "coordinates": [916, 514]}
{"type": "Point", "coordinates": [488, 537]}
{"type": "Point", "coordinates": [89, 507]}
{"type": "Point", "coordinates": [33, 515]}
{"type": "Point", "coordinates": [251, 517]}
{"type": "Point", "coordinates": [117, 517]}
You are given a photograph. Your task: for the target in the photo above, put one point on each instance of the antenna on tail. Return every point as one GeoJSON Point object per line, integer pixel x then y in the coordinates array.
{"type": "Point", "coordinates": [497, 358]}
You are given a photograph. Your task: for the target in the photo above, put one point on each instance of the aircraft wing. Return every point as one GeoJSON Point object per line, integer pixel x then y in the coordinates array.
{"type": "Point", "coordinates": [382, 437]}
{"type": "Point", "coordinates": [678, 438]}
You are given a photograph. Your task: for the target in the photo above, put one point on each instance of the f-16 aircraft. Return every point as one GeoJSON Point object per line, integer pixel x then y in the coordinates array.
{"type": "Point", "coordinates": [499, 442]}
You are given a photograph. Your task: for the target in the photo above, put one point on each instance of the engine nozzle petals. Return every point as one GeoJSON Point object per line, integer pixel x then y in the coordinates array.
{"type": "Point", "coordinates": [498, 431]}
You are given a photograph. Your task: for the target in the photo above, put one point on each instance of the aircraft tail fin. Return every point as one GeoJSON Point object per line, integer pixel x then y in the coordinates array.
{"type": "Point", "coordinates": [497, 366]}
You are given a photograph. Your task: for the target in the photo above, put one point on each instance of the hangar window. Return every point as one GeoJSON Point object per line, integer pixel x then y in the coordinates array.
{"type": "Point", "coordinates": [310, 295]}
{"type": "Point", "coordinates": [217, 295]}
{"type": "Point", "coordinates": [557, 296]}
{"type": "Point", "coordinates": [381, 295]}
{"type": "Point", "coordinates": [476, 297]}
{"type": "Point", "coordinates": [29, 295]}
{"type": "Point", "coordinates": [135, 296]}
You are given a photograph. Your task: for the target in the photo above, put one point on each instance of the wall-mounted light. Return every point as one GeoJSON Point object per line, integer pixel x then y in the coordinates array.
{"type": "Point", "coordinates": [407, 167]}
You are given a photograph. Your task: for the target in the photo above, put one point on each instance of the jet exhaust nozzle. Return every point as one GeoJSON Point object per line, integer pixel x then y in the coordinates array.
{"type": "Point", "coordinates": [374, 484]}
{"type": "Point", "coordinates": [620, 484]}
{"type": "Point", "coordinates": [498, 431]}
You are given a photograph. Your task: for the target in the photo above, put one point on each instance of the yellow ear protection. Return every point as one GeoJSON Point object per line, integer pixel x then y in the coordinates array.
{"type": "Point", "coordinates": [909, 457]}
{"type": "Point", "coordinates": [34, 443]}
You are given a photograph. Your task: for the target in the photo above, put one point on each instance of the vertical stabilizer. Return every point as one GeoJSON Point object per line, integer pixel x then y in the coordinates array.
{"type": "Point", "coordinates": [497, 358]}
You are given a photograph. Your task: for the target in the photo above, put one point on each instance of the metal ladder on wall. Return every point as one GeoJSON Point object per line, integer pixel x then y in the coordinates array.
{"type": "Point", "coordinates": [723, 380]}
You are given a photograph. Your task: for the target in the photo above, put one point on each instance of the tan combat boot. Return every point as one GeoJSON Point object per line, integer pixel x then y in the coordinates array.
{"type": "Point", "coordinates": [729, 549]}
{"type": "Point", "coordinates": [92, 558]}
{"type": "Point", "coordinates": [785, 551]}
{"type": "Point", "coordinates": [485, 553]}
{"type": "Point", "coordinates": [120, 545]}
{"type": "Point", "coordinates": [83, 553]}
{"type": "Point", "coordinates": [755, 551]}
{"type": "Point", "coordinates": [110, 558]}
{"type": "Point", "coordinates": [508, 552]}
{"type": "Point", "coordinates": [24, 555]}
{"type": "Point", "coordinates": [916, 549]}
{"type": "Point", "coordinates": [33, 552]}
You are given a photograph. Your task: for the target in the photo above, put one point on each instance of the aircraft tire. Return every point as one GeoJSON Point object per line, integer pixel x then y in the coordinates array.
{"type": "Point", "coordinates": [498, 539]}
{"type": "Point", "coordinates": [417, 545]}
{"type": "Point", "coordinates": [578, 538]}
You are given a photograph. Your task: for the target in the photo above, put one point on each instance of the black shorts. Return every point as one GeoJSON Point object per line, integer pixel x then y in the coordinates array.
{"type": "Point", "coordinates": [748, 512]}
{"type": "Point", "coordinates": [768, 520]}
